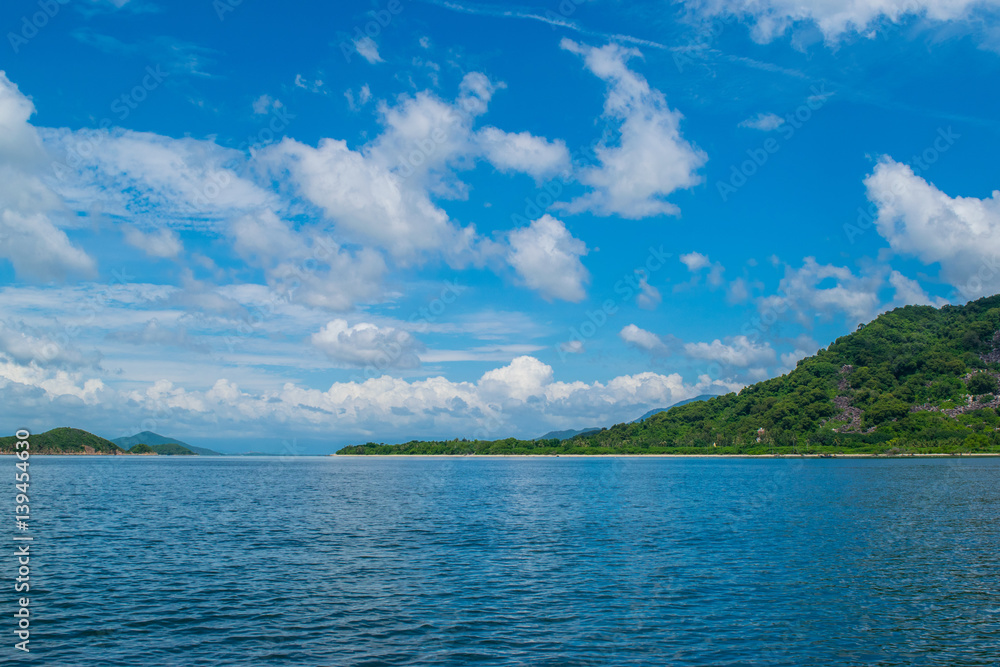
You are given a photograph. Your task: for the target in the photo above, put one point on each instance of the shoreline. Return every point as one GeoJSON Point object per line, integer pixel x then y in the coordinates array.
{"type": "Point", "coordinates": [547, 456]}
{"type": "Point", "coordinates": [666, 456]}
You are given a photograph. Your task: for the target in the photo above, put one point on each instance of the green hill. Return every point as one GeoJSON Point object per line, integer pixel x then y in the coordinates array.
{"type": "Point", "coordinates": [917, 379]}
{"type": "Point", "coordinates": [155, 439]}
{"type": "Point", "coordinates": [172, 449]}
{"type": "Point", "coordinates": [703, 397]}
{"type": "Point", "coordinates": [64, 441]}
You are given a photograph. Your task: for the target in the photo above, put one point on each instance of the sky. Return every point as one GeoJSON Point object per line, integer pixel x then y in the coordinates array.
{"type": "Point", "coordinates": [293, 226]}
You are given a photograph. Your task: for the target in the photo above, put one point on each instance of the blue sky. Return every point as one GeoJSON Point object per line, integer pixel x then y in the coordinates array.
{"type": "Point", "coordinates": [298, 227]}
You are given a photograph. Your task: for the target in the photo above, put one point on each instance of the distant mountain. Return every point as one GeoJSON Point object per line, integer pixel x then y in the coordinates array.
{"type": "Point", "coordinates": [566, 435]}
{"type": "Point", "coordinates": [703, 397]}
{"type": "Point", "coordinates": [154, 439]}
{"type": "Point", "coordinates": [63, 440]}
{"type": "Point", "coordinates": [171, 449]}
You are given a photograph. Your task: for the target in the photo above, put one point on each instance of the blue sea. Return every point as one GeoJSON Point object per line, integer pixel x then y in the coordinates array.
{"type": "Point", "coordinates": [509, 561]}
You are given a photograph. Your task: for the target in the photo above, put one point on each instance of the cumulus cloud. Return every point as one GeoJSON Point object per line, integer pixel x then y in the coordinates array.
{"type": "Point", "coordinates": [910, 293]}
{"type": "Point", "coordinates": [523, 152]}
{"type": "Point", "coordinates": [817, 290]}
{"type": "Point", "coordinates": [644, 340]}
{"type": "Point", "coordinates": [961, 234]}
{"type": "Point", "coordinates": [772, 18]}
{"type": "Point", "coordinates": [366, 200]}
{"type": "Point", "coordinates": [652, 159]}
{"type": "Point", "coordinates": [366, 344]}
{"type": "Point", "coordinates": [520, 398]}
{"type": "Point", "coordinates": [696, 263]}
{"type": "Point", "coordinates": [546, 257]}
{"type": "Point", "coordinates": [382, 192]}
{"type": "Point", "coordinates": [308, 265]}
{"type": "Point", "coordinates": [737, 351]}
{"type": "Point", "coordinates": [29, 238]}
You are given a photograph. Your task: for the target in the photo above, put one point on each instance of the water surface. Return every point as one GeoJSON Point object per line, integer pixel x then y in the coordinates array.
{"type": "Point", "coordinates": [542, 561]}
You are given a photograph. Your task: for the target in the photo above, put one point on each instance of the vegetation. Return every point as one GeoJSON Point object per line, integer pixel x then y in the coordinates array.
{"type": "Point", "coordinates": [141, 448]}
{"type": "Point", "coordinates": [915, 380]}
{"type": "Point", "coordinates": [171, 449]}
{"type": "Point", "coordinates": [63, 441]}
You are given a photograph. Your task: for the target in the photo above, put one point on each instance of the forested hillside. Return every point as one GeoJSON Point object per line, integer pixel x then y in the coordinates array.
{"type": "Point", "coordinates": [917, 379]}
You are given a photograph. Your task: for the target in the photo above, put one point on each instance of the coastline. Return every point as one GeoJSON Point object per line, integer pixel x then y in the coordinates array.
{"type": "Point", "coordinates": [665, 456]}
{"type": "Point", "coordinates": [555, 456]}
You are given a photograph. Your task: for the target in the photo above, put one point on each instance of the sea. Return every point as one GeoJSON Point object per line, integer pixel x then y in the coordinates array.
{"type": "Point", "coordinates": [506, 561]}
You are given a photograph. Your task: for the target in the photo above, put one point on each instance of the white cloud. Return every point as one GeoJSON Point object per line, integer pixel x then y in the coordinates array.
{"type": "Point", "coordinates": [367, 201]}
{"type": "Point", "coordinates": [764, 122]}
{"type": "Point", "coordinates": [737, 351]}
{"type": "Point", "coordinates": [522, 398]}
{"type": "Point", "coordinates": [644, 340]}
{"type": "Point", "coordinates": [961, 234]}
{"type": "Point", "coordinates": [523, 152]}
{"type": "Point", "coordinates": [263, 104]}
{"type": "Point", "coordinates": [368, 49]}
{"type": "Point", "coordinates": [162, 243]}
{"type": "Point", "coordinates": [308, 265]}
{"type": "Point", "coordinates": [910, 293]}
{"type": "Point", "coordinates": [367, 344]}
{"type": "Point", "coordinates": [772, 18]}
{"type": "Point", "coordinates": [822, 290]}
{"type": "Point", "coordinates": [28, 345]}
{"type": "Point", "coordinates": [804, 347]}
{"type": "Point", "coordinates": [547, 258]}
{"type": "Point", "coordinates": [651, 160]}
{"type": "Point", "coordinates": [181, 182]}
{"type": "Point", "coordinates": [29, 238]}
{"type": "Point", "coordinates": [695, 261]}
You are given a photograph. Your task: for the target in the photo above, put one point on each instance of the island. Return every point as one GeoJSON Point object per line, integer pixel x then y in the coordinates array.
{"type": "Point", "coordinates": [916, 380]}
{"type": "Point", "coordinates": [74, 441]}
